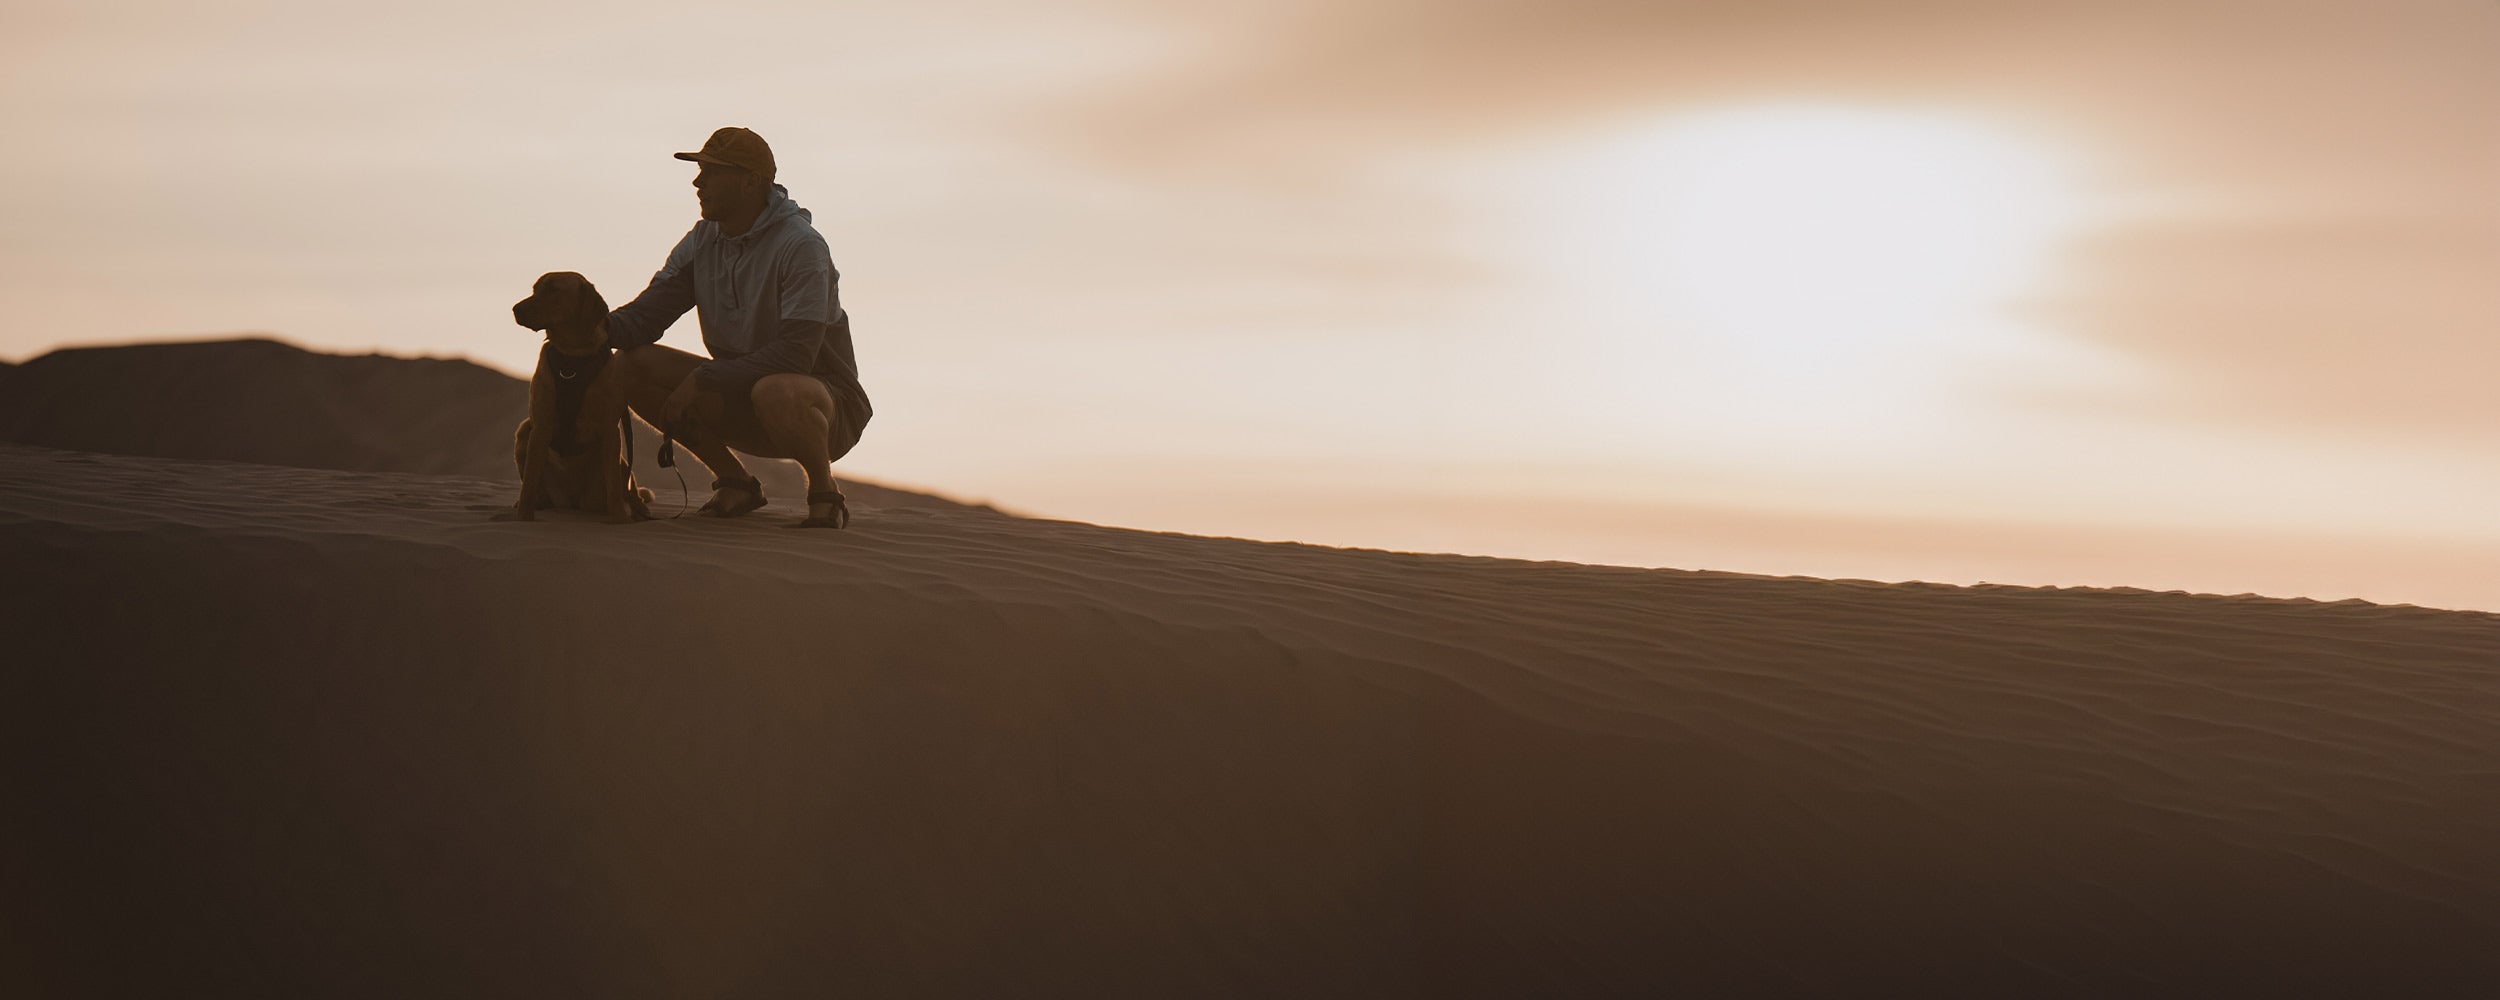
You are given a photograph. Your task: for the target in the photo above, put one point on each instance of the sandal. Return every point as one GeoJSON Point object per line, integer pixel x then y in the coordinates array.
{"type": "Point", "coordinates": [840, 517]}
{"type": "Point", "coordinates": [754, 498]}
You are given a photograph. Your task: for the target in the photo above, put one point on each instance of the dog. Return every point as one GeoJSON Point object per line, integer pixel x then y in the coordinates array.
{"type": "Point", "coordinates": [572, 451]}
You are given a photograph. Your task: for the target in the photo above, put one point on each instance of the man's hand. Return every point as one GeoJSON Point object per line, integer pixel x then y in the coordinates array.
{"type": "Point", "coordinates": [673, 412]}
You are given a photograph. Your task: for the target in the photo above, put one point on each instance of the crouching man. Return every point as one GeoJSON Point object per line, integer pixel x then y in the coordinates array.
{"type": "Point", "coordinates": [782, 381]}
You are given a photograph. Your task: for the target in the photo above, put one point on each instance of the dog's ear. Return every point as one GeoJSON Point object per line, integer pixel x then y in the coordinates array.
{"type": "Point", "coordinates": [588, 308]}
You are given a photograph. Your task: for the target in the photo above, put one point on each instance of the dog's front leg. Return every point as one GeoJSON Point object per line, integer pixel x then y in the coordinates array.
{"type": "Point", "coordinates": [610, 447]}
{"type": "Point", "coordinates": [534, 469]}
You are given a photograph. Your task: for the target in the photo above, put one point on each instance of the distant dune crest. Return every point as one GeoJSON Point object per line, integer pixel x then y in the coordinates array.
{"type": "Point", "coordinates": [262, 401]}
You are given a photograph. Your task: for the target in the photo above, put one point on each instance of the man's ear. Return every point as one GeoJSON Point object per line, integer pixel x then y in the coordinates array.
{"type": "Point", "coordinates": [588, 307]}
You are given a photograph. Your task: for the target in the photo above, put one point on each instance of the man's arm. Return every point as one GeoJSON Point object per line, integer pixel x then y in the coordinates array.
{"type": "Point", "coordinates": [808, 301]}
{"type": "Point", "coordinates": [668, 296]}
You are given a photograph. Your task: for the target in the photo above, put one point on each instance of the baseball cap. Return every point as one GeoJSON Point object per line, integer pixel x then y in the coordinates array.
{"type": "Point", "coordinates": [735, 147]}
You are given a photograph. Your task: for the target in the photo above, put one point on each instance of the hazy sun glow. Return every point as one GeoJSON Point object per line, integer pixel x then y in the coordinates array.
{"type": "Point", "coordinates": [1826, 268]}
{"type": "Point", "coordinates": [1819, 231]}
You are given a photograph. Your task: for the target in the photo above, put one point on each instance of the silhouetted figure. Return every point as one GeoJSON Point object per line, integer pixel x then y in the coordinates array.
{"type": "Point", "coordinates": [782, 381]}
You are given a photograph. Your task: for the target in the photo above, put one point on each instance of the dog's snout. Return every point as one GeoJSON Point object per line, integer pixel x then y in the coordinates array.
{"type": "Point", "coordinates": [525, 312]}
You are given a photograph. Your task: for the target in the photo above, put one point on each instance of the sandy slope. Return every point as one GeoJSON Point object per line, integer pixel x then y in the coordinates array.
{"type": "Point", "coordinates": [294, 732]}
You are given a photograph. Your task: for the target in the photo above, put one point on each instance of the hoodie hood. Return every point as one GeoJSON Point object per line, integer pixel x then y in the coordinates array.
{"type": "Point", "coordinates": [777, 207]}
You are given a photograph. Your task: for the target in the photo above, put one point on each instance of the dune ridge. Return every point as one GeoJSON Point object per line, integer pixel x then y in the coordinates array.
{"type": "Point", "coordinates": [298, 732]}
{"type": "Point", "coordinates": [263, 401]}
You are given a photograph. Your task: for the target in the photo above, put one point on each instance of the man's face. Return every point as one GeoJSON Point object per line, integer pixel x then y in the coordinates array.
{"type": "Point", "coordinates": [723, 190]}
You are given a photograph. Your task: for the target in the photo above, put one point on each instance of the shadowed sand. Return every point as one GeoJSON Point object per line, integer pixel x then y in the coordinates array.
{"type": "Point", "coordinates": [283, 731]}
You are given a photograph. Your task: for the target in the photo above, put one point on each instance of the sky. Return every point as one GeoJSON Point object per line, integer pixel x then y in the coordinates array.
{"type": "Point", "coordinates": [2179, 295]}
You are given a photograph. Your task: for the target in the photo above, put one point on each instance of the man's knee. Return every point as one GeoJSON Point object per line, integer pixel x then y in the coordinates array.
{"type": "Point", "coordinates": [787, 397]}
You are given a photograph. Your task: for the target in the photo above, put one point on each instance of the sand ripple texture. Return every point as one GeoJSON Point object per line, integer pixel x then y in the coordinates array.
{"type": "Point", "coordinates": [297, 732]}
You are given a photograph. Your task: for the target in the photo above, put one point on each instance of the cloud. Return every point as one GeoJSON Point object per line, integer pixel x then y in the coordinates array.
{"type": "Point", "coordinates": [2369, 323]}
{"type": "Point", "coordinates": [2295, 208]}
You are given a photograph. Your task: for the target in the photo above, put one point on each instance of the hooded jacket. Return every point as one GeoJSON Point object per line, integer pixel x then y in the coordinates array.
{"type": "Point", "coordinates": [767, 299]}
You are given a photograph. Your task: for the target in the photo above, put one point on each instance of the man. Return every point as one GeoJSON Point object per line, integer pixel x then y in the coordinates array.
{"type": "Point", "coordinates": [782, 381]}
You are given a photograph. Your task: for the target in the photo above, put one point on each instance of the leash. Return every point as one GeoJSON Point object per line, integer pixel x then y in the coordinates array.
{"type": "Point", "coordinates": [667, 457]}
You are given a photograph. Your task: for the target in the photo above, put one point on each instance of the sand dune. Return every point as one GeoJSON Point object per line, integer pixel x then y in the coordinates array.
{"type": "Point", "coordinates": [258, 400]}
{"type": "Point", "coordinates": [296, 732]}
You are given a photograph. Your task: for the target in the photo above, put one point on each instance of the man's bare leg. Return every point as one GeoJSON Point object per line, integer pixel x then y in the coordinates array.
{"type": "Point", "coordinates": [651, 373]}
{"type": "Point", "coordinates": [799, 413]}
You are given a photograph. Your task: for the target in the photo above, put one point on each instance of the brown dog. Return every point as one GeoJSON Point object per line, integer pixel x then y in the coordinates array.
{"type": "Point", "coordinates": [571, 450]}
